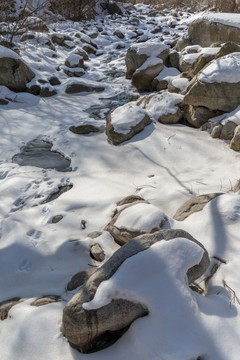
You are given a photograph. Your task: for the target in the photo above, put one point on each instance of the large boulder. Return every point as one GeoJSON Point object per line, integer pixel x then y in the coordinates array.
{"type": "Point", "coordinates": [14, 73]}
{"type": "Point", "coordinates": [126, 121]}
{"type": "Point", "coordinates": [90, 327]}
{"type": "Point", "coordinates": [235, 143]}
{"type": "Point", "coordinates": [217, 86]}
{"type": "Point", "coordinates": [212, 28]}
{"type": "Point", "coordinates": [137, 54]}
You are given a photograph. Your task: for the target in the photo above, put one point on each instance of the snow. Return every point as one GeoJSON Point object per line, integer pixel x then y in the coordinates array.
{"type": "Point", "coordinates": [162, 104]}
{"type": "Point", "coordinates": [151, 61]}
{"type": "Point", "coordinates": [74, 60]}
{"type": "Point", "coordinates": [127, 116]}
{"type": "Point", "coordinates": [149, 48]}
{"type": "Point", "coordinates": [180, 83]}
{"type": "Point", "coordinates": [224, 69]}
{"type": "Point", "coordinates": [8, 53]}
{"type": "Point", "coordinates": [140, 217]}
{"type": "Point", "coordinates": [164, 164]}
{"type": "Point", "coordinates": [168, 73]}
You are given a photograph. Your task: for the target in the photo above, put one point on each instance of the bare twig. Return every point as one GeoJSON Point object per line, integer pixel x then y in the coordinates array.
{"type": "Point", "coordinates": [234, 298]}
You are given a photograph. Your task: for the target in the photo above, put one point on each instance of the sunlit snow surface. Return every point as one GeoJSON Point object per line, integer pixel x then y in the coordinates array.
{"type": "Point", "coordinates": [166, 165]}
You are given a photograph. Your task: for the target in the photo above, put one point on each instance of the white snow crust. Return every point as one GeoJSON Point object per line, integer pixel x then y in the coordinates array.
{"type": "Point", "coordinates": [224, 69]}
{"type": "Point", "coordinates": [127, 116]}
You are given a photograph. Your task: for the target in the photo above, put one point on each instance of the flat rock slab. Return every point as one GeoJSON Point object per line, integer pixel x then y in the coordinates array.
{"type": "Point", "coordinates": [193, 205]}
{"type": "Point", "coordinates": [38, 153]}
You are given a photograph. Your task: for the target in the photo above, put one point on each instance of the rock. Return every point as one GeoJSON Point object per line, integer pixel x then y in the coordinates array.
{"type": "Point", "coordinates": [135, 219]}
{"type": "Point", "coordinates": [197, 116]}
{"type": "Point", "coordinates": [3, 102]}
{"type": "Point", "coordinates": [79, 87]}
{"type": "Point", "coordinates": [235, 143]}
{"type": "Point", "coordinates": [80, 278]}
{"type": "Point", "coordinates": [75, 72]}
{"type": "Point", "coordinates": [142, 78]}
{"type": "Point", "coordinates": [228, 48]}
{"type": "Point", "coordinates": [129, 200]}
{"type": "Point", "coordinates": [14, 73]}
{"type": "Point", "coordinates": [112, 7]}
{"type": "Point", "coordinates": [89, 49]}
{"type": "Point", "coordinates": [54, 81]}
{"type": "Point", "coordinates": [95, 234]}
{"type": "Point", "coordinates": [216, 131]}
{"type": "Point", "coordinates": [178, 85]}
{"type": "Point", "coordinates": [56, 219]}
{"type": "Point", "coordinates": [34, 89]}
{"type": "Point", "coordinates": [227, 130]}
{"type": "Point", "coordinates": [82, 53]}
{"type": "Point", "coordinates": [74, 60]}
{"type": "Point", "coordinates": [186, 61]}
{"type": "Point", "coordinates": [174, 59]}
{"type": "Point", "coordinates": [97, 253]}
{"type": "Point", "coordinates": [45, 300]}
{"type": "Point", "coordinates": [182, 43]}
{"type": "Point", "coordinates": [27, 36]}
{"type": "Point", "coordinates": [46, 92]}
{"type": "Point", "coordinates": [69, 44]}
{"type": "Point", "coordinates": [193, 205]}
{"type": "Point", "coordinates": [119, 34]}
{"type": "Point", "coordinates": [95, 329]}
{"type": "Point", "coordinates": [206, 31]}
{"type": "Point", "coordinates": [200, 63]}
{"type": "Point", "coordinates": [217, 86]}
{"type": "Point", "coordinates": [126, 121]}
{"type": "Point", "coordinates": [137, 54]}
{"type": "Point", "coordinates": [60, 38]}
{"type": "Point", "coordinates": [6, 305]}
{"type": "Point", "coordinates": [83, 129]}
{"type": "Point", "coordinates": [165, 107]}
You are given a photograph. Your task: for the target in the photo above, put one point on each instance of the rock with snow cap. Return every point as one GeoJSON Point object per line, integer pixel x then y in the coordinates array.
{"type": "Point", "coordinates": [90, 329]}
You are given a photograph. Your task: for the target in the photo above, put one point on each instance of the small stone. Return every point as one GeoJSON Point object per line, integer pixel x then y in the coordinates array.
{"type": "Point", "coordinates": [54, 81]}
{"type": "Point", "coordinates": [45, 300]}
{"type": "Point", "coordinates": [83, 129]}
{"type": "Point", "coordinates": [56, 219]}
{"type": "Point", "coordinates": [97, 253]}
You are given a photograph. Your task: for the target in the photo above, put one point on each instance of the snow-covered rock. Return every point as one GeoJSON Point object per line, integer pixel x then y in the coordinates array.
{"type": "Point", "coordinates": [217, 86]}
{"type": "Point", "coordinates": [110, 300]}
{"type": "Point", "coordinates": [126, 121]}
{"type": "Point", "coordinates": [14, 73]}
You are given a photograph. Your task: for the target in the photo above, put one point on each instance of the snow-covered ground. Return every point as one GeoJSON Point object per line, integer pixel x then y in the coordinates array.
{"type": "Point", "coordinates": [164, 164]}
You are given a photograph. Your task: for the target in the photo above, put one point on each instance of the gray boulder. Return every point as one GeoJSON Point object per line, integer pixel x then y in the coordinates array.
{"type": "Point", "coordinates": [14, 73]}
{"type": "Point", "coordinates": [94, 329]}
{"type": "Point", "coordinates": [143, 77]}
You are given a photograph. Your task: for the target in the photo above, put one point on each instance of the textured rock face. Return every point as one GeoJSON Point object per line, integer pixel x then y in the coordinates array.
{"type": "Point", "coordinates": [193, 205]}
{"type": "Point", "coordinates": [217, 86]}
{"type": "Point", "coordinates": [197, 116]}
{"type": "Point", "coordinates": [142, 78]}
{"type": "Point", "coordinates": [15, 74]}
{"type": "Point", "coordinates": [94, 329]}
{"type": "Point", "coordinates": [235, 143]}
{"type": "Point", "coordinates": [205, 32]}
